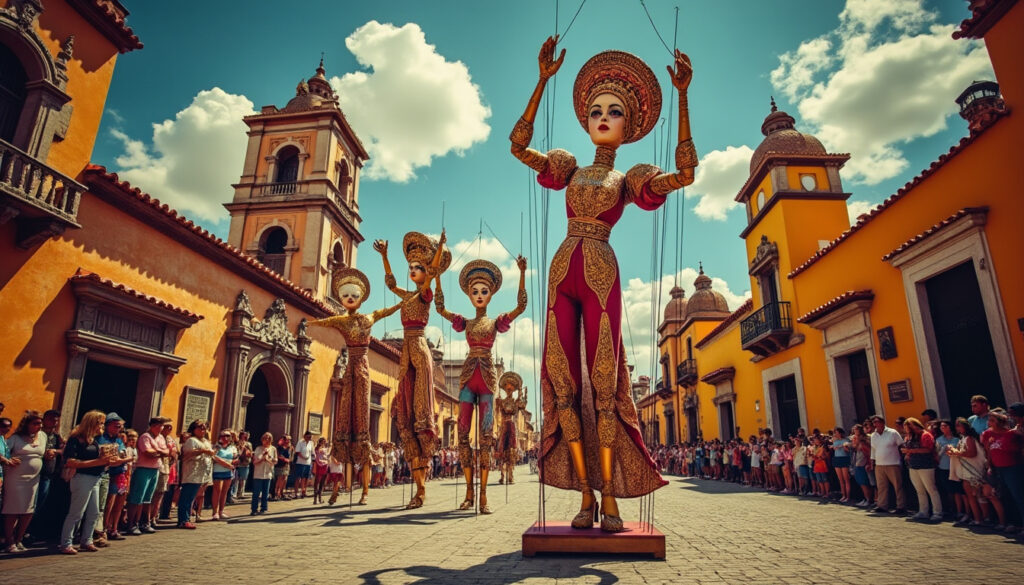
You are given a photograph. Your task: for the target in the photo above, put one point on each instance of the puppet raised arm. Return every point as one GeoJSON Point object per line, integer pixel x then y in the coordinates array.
{"type": "Point", "coordinates": [686, 154]}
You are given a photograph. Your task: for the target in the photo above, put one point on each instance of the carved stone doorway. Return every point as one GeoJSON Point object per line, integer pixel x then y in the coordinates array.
{"type": "Point", "coordinates": [267, 371]}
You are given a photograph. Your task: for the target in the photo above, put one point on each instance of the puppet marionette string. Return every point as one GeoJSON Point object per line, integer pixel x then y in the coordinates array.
{"type": "Point", "coordinates": [663, 43]}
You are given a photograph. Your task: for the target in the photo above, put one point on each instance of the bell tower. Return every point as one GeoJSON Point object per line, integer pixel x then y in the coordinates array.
{"type": "Point", "coordinates": [296, 205]}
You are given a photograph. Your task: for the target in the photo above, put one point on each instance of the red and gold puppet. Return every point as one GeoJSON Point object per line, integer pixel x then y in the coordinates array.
{"type": "Point", "coordinates": [508, 409]}
{"type": "Point", "coordinates": [617, 100]}
{"type": "Point", "coordinates": [413, 408]}
{"type": "Point", "coordinates": [478, 383]}
{"type": "Point", "coordinates": [352, 443]}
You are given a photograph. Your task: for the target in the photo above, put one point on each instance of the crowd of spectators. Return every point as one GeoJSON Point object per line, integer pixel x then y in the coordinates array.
{"type": "Point", "coordinates": [969, 470]}
{"type": "Point", "coordinates": [105, 482]}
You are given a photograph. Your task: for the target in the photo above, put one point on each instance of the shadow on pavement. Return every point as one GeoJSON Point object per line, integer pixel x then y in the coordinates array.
{"type": "Point", "coordinates": [495, 570]}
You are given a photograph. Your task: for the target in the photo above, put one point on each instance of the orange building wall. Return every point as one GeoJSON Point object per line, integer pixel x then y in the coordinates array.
{"type": "Point", "coordinates": [32, 337]}
{"type": "Point", "coordinates": [976, 176]}
{"type": "Point", "coordinates": [89, 73]}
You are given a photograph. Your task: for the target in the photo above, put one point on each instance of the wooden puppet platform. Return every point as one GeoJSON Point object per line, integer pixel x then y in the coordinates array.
{"type": "Point", "coordinates": [560, 537]}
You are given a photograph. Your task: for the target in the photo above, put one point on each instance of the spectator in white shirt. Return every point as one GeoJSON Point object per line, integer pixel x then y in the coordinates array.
{"type": "Point", "coordinates": [886, 462]}
{"type": "Point", "coordinates": [303, 462]}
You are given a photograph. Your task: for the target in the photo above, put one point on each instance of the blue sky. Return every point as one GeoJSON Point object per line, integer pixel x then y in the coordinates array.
{"type": "Point", "coordinates": [875, 78]}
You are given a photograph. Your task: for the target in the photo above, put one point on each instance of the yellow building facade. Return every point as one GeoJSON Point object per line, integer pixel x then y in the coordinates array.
{"type": "Point", "coordinates": [919, 304]}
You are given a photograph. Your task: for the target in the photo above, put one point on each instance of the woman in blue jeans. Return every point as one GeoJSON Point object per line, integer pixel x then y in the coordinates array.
{"type": "Point", "coordinates": [263, 460]}
{"type": "Point", "coordinates": [196, 470]}
{"type": "Point", "coordinates": [82, 453]}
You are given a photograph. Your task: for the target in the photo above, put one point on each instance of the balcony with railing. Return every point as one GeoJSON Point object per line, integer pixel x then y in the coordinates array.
{"type": "Point", "coordinates": [767, 331]}
{"type": "Point", "coordinates": [308, 187]}
{"type": "Point", "coordinates": [686, 372]}
{"type": "Point", "coordinates": [42, 201]}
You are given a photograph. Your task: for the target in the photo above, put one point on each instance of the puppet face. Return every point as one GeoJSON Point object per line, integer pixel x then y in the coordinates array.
{"type": "Point", "coordinates": [417, 273]}
{"type": "Point", "coordinates": [351, 296]}
{"type": "Point", "coordinates": [480, 294]}
{"type": "Point", "coordinates": [606, 121]}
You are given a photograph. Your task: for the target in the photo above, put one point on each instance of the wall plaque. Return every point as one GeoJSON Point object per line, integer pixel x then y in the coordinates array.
{"type": "Point", "coordinates": [198, 405]}
{"type": "Point", "coordinates": [316, 423]}
{"type": "Point", "coordinates": [899, 391]}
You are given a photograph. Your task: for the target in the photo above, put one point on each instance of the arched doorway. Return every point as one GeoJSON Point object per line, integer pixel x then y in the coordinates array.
{"type": "Point", "coordinates": [257, 420]}
{"type": "Point", "coordinates": [12, 92]}
{"type": "Point", "coordinates": [287, 165]}
{"type": "Point", "coordinates": [268, 405]}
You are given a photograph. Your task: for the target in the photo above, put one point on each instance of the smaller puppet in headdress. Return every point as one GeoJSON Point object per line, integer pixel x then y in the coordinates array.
{"type": "Point", "coordinates": [352, 442]}
{"type": "Point", "coordinates": [508, 408]}
{"type": "Point", "coordinates": [478, 382]}
{"type": "Point", "coordinates": [413, 407]}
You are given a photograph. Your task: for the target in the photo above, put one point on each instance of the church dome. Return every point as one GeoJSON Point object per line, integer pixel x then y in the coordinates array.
{"type": "Point", "coordinates": [706, 302]}
{"type": "Point", "coordinates": [675, 310]}
{"type": "Point", "coordinates": [316, 92]}
{"type": "Point", "coordinates": [782, 138]}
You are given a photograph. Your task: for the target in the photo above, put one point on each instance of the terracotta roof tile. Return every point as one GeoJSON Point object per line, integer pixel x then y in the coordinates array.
{"type": "Point", "coordinates": [984, 13]}
{"type": "Point", "coordinates": [844, 299]}
{"type": "Point", "coordinates": [866, 218]}
{"type": "Point", "coordinates": [732, 318]}
{"type": "Point", "coordinates": [99, 173]}
{"type": "Point", "coordinates": [933, 229]}
{"type": "Point", "coordinates": [109, 17]}
{"type": "Point", "coordinates": [86, 275]}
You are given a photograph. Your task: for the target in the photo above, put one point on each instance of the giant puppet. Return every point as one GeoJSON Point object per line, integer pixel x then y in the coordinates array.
{"type": "Point", "coordinates": [478, 382]}
{"type": "Point", "coordinates": [413, 408]}
{"type": "Point", "coordinates": [351, 443]}
{"type": "Point", "coordinates": [617, 100]}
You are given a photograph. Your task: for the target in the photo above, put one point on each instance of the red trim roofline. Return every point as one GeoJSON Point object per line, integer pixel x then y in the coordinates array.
{"type": "Point", "coordinates": [984, 15]}
{"type": "Point", "coordinates": [850, 296]}
{"type": "Point", "coordinates": [982, 211]}
{"type": "Point", "coordinates": [108, 16]}
{"type": "Point", "coordinates": [900, 194]}
{"type": "Point", "coordinates": [149, 210]}
{"type": "Point", "coordinates": [742, 310]}
{"type": "Point", "coordinates": [385, 348]}
{"type": "Point", "coordinates": [84, 275]}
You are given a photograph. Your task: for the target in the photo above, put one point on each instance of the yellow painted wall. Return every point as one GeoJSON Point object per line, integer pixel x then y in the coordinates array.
{"type": "Point", "coordinates": [89, 73]}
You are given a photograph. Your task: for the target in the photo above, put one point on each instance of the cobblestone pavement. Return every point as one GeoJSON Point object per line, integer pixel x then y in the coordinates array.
{"type": "Point", "coordinates": [716, 533]}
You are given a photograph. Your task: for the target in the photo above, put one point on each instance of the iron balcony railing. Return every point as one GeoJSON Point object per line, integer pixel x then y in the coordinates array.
{"type": "Point", "coordinates": [771, 318]}
{"type": "Point", "coordinates": [686, 372]}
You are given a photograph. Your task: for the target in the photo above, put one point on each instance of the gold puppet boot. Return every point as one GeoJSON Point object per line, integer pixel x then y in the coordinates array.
{"type": "Point", "coordinates": [366, 483]}
{"type": "Point", "coordinates": [588, 508]}
{"type": "Point", "coordinates": [418, 474]}
{"type": "Point", "coordinates": [469, 502]}
{"type": "Point", "coordinates": [484, 509]}
{"type": "Point", "coordinates": [610, 519]}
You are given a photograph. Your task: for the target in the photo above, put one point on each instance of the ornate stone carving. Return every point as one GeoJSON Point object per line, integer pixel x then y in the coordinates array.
{"type": "Point", "coordinates": [273, 329]}
{"type": "Point", "coordinates": [767, 254]}
{"type": "Point", "coordinates": [242, 303]}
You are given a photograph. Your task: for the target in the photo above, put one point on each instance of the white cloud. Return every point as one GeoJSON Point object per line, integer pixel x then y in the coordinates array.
{"type": "Point", "coordinates": [194, 158]}
{"type": "Point", "coordinates": [798, 68]}
{"type": "Point", "coordinates": [719, 177]}
{"type": "Point", "coordinates": [415, 104]}
{"type": "Point", "coordinates": [895, 78]}
{"type": "Point", "coordinates": [856, 208]}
